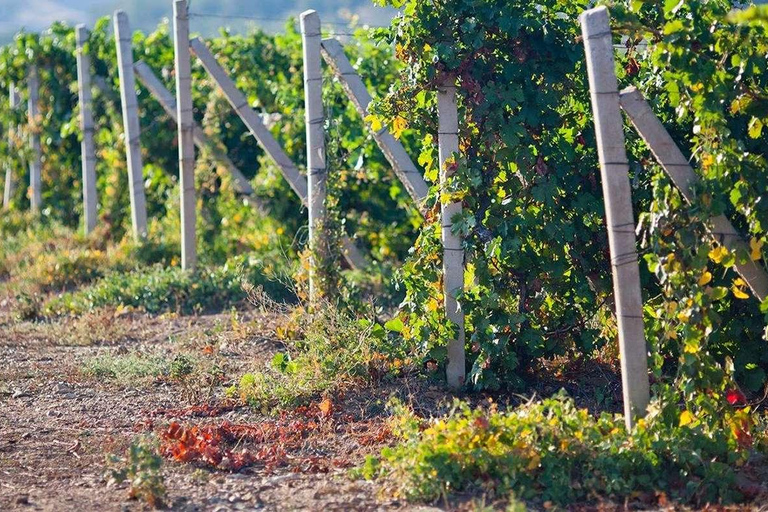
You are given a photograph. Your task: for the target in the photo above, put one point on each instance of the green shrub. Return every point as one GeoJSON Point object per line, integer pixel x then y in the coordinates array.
{"type": "Point", "coordinates": [553, 451]}
{"type": "Point", "coordinates": [161, 289]}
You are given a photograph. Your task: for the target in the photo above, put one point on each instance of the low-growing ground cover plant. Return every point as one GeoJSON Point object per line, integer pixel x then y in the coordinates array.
{"type": "Point", "coordinates": [550, 451]}
{"type": "Point", "coordinates": [158, 289]}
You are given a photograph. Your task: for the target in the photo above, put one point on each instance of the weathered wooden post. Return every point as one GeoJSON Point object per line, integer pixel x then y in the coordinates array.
{"type": "Point", "coordinates": [453, 251]}
{"type": "Point", "coordinates": [13, 99]}
{"type": "Point", "coordinates": [617, 192]}
{"type": "Point", "coordinates": [35, 165]}
{"type": "Point", "coordinates": [186, 126]}
{"type": "Point", "coordinates": [317, 173]}
{"type": "Point", "coordinates": [132, 129]}
{"type": "Point", "coordinates": [86, 126]}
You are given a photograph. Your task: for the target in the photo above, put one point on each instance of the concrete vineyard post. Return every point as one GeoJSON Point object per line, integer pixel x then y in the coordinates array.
{"type": "Point", "coordinates": [168, 102]}
{"type": "Point", "coordinates": [35, 164]}
{"type": "Point", "coordinates": [393, 150]}
{"type": "Point", "coordinates": [317, 173]}
{"type": "Point", "coordinates": [683, 176]}
{"type": "Point", "coordinates": [260, 132]}
{"type": "Point", "coordinates": [617, 192]}
{"type": "Point", "coordinates": [132, 129]}
{"type": "Point", "coordinates": [88, 153]}
{"type": "Point", "coordinates": [13, 101]}
{"type": "Point", "coordinates": [453, 251]}
{"type": "Point", "coordinates": [186, 125]}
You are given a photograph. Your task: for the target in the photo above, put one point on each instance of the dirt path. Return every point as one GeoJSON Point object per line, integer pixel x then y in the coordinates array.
{"type": "Point", "coordinates": [58, 424]}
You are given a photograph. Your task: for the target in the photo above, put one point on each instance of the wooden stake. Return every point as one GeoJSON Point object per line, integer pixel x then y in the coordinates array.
{"type": "Point", "coordinates": [453, 251]}
{"type": "Point", "coordinates": [88, 153]}
{"type": "Point", "coordinates": [123, 40]}
{"type": "Point", "coordinates": [317, 172]}
{"type": "Point", "coordinates": [260, 132]}
{"type": "Point", "coordinates": [393, 150]}
{"type": "Point", "coordinates": [614, 168]}
{"type": "Point", "coordinates": [13, 99]}
{"type": "Point", "coordinates": [186, 125]}
{"type": "Point", "coordinates": [676, 166]}
{"type": "Point", "coordinates": [35, 165]}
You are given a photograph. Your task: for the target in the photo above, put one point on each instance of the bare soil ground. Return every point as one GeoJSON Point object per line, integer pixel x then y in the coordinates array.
{"type": "Point", "coordinates": [58, 424]}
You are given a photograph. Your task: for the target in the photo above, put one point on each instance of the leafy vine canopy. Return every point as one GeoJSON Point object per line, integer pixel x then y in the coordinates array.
{"type": "Point", "coordinates": [538, 281]}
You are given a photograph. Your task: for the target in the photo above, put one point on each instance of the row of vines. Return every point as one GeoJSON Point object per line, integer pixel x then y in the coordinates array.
{"type": "Point", "coordinates": [538, 278]}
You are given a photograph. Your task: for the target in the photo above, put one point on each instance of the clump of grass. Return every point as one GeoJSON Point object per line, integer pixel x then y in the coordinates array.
{"type": "Point", "coordinates": [160, 289]}
{"type": "Point", "coordinates": [551, 451]}
{"type": "Point", "coordinates": [334, 350]}
{"type": "Point", "coordinates": [126, 368]}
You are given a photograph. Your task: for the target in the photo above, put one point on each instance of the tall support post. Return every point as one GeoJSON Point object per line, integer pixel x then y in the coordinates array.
{"type": "Point", "coordinates": [123, 40]}
{"type": "Point", "coordinates": [13, 99]}
{"type": "Point", "coordinates": [262, 134]}
{"type": "Point", "coordinates": [156, 88]}
{"type": "Point", "coordinates": [88, 153]}
{"type": "Point", "coordinates": [453, 251]}
{"type": "Point", "coordinates": [35, 165]}
{"type": "Point", "coordinates": [317, 173]}
{"type": "Point", "coordinates": [617, 192]}
{"type": "Point", "coordinates": [186, 127]}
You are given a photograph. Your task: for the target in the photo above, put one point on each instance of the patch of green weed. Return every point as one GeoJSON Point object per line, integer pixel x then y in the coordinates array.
{"type": "Point", "coordinates": [159, 289]}
{"type": "Point", "coordinates": [142, 470]}
{"type": "Point", "coordinates": [553, 451]}
{"type": "Point", "coordinates": [334, 350]}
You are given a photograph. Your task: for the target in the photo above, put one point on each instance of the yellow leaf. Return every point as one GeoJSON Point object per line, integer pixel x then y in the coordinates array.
{"type": "Point", "coordinates": [739, 293]}
{"type": "Point", "coordinates": [398, 126]}
{"type": "Point", "coordinates": [705, 278]}
{"type": "Point", "coordinates": [739, 282]}
{"type": "Point", "coordinates": [718, 254]}
{"type": "Point", "coordinates": [374, 121]}
{"type": "Point", "coordinates": [697, 87]}
{"type": "Point", "coordinates": [755, 245]}
{"type": "Point", "coordinates": [427, 48]}
{"type": "Point", "coordinates": [685, 418]}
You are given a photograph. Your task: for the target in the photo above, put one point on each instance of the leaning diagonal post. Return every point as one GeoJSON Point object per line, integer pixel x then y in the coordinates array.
{"type": "Point", "coordinates": [13, 99]}
{"type": "Point", "coordinates": [393, 150]}
{"type": "Point", "coordinates": [675, 164]}
{"type": "Point", "coordinates": [453, 250]}
{"type": "Point", "coordinates": [123, 39]}
{"type": "Point", "coordinates": [260, 132]}
{"type": "Point", "coordinates": [35, 164]}
{"type": "Point", "coordinates": [317, 172]}
{"type": "Point", "coordinates": [614, 168]}
{"type": "Point", "coordinates": [168, 102]}
{"type": "Point", "coordinates": [88, 155]}
{"type": "Point", "coordinates": [185, 124]}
